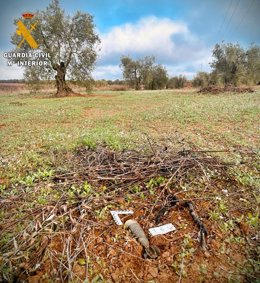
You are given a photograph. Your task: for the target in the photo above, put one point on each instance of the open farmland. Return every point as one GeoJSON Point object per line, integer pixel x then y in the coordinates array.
{"type": "Point", "coordinates": [55, 220]}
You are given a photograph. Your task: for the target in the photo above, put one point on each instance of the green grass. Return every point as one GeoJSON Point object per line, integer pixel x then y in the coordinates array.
{"type": "Point", "coordinates": [32, 127]}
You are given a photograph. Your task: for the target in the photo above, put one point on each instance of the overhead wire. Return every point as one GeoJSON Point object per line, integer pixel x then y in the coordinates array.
{"type": "Point", "coordinates": [230, 19]}
{"type": "Point", "coordinates": [226, 16]}
{"type": "Point", "coordinates": [244, 15]}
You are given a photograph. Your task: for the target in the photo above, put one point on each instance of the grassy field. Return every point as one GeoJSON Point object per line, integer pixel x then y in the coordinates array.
{"type": "Point", "coordinates": [32, 125]}
{"type": "Point", "coordinates": [44, 144]}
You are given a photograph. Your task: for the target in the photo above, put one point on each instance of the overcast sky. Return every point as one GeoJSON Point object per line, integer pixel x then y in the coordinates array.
{"type": "Point", "coordinates": [180, 34]}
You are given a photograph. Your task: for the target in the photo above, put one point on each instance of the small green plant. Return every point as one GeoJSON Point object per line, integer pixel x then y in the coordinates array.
{"type": "Point", "coordinates": [128, 198]}
{"type": "Point", "coordinates": [43, 174]}
{"type": "Point", "coordinates": [136, 189]}
{"type": "Point", "coordinates": [98, 279]}
{"type": "Point", "coordinates": [87, 188]}
{"type": "Point", "coordinates": [214, 215]}
{"type": "Point", "coordinates": [203, 269]}
{"type": "Point", "coordinates": [244, 177]}
{"type": "Point", "coordinates": [40, 175]}
{"type": "Point", "coordinates": [155, 182]}
{"type": "Point", "coordinates": [102, 213]}
{"type": "Point", "coordinates": [253, 220]}
{"type": "Point", "coordinates": [28, 181]}
{"type": "Point", "coordinates": [227, 225]}
{"type": "Point", "coordinates": [41, 200]}
{"type": "Point", "coordinates": [84, 191]}
{"type": "Point", "coordinates": [2, 188]}
{"type": "Point", "coordinates": [187, 251]}
{"type": "Point", "coordinates": [222, 207]}
{"type": "Point", "coordinates": [142, 195]}
{"type": "Point", "coordinates": [89, 142]}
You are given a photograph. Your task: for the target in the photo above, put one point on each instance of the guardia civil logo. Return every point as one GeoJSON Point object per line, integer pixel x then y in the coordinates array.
{"type": "Point", "coordinates": [26, 33]}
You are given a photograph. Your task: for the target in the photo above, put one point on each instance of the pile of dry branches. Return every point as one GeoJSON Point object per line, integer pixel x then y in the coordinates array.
{"type": "Point", "coordinates": [110, 168]}
{"type": "Point", "coordinates": [216, 89]}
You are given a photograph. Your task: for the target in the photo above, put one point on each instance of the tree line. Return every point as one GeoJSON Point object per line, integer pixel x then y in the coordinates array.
{"type": "Point", "coordinates": [231, 65]}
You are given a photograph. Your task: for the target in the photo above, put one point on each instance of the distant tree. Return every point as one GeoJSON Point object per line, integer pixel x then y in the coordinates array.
{"type": "Point", "coordinates": [131, 72]}
{"type": "Point", "coordinates": [229, 61]}
{"type": "Point", "coordinates": [136, 72]}
{"type": "Point", "coordinates": [144, 72]}
{"type": "Point", "coordinates": [253, 64]}
{"type": "Point", "coordinates": [70, 41]}
{"type": "Point", "coordinates": [177, 82]}
{"type": "Point", "coordinates": [101, 83]}
{"type": "Point", "coordinates": [157, 79]}
{"type": "Point", "coordinates": [32, 79]}
{"type": "Point", "coordinates": [202, 79]}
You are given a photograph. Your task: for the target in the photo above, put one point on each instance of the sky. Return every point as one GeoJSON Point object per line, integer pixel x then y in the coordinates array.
{"type": "Point", "coordinates": [179, 33]}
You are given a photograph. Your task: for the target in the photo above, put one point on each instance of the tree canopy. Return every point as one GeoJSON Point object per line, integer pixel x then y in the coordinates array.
{"type": "Point", "coordinates": [233, 65]}
{"type": "Point", "coordinates": [70, 41]}
{"type": "Point", "coordinates": [144, 73]}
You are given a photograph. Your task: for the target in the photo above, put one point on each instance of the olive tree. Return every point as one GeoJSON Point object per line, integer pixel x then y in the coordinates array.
{"type": "Point", "coordinates": [144, 72]}
{"type": "Point", "coordinates": [253, 64]}
{"type": "Point", "coordinates": [71, 42]}
{"type": "Point", "coordinates": [229, 62]}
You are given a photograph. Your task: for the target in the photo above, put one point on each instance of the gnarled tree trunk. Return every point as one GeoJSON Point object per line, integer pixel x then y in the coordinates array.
{"type": "Point", "coordinates": [62, 88]}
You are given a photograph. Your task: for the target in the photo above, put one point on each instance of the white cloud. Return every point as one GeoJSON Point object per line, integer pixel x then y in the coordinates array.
{"type": "Point", "coordinates": [146, 36]}
{"type": "Point", "coordinates": [169, 41]}
{"type": "Point", "coordinates": [107, 72]}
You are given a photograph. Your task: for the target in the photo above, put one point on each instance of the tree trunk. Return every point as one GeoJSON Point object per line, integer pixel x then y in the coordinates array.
{"type": "Point", "coordinates": [62, 88]}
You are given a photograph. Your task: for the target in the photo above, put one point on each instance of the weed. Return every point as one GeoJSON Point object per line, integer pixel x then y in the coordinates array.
{"type": "Point", "coordinates": [89, 142]}
{"type": "Point", "coordinates": [2, 188]}
{"type": "Point", "coordinates": [154, 183]}
{"type": "Point", "coordinates": [87, 188]}
{"type": "Point", "coordinates": [227, 226]}
{"type": "Point", "coordinates": [253, 220]}
{"type": "Point", "coordinates": [187, 251]}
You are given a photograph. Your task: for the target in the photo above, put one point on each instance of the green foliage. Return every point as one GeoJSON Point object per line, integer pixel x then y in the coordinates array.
{"type": "Point", "coordinates": [253, 64]}
{"type": "Point", "coordinates": [177, 82]}
{"type": "Point", "coordinates": [202, 79]}
{"type": "Point", "coordinates": [83, 191]}
{"type": "Point", "coordinates": [144, 73]}
{"type": "Point", "coordinates": [87, 188]}
{"type": "Point", "coordinates": [155, 182]}
{"type": "Point", "coordinates": [187, 252]}
{"type": "Point", "coordinates": [44, 174]}
{"type": "Point", "coordinates": [232, 65]}
{"type": "Point", "coordinates": [253, 220]}
{"type": "Point", "coordinates": [89, 142]}
{"type": "Point", "coordinates": [157, 78]}
{"type": "Point", "coordinates": [229, 63]}
{"type": "Point", "coordinates": [66, 126]}
{"type": "Point", "coordinates": [2, 188]}
{"type": "Point", "coordinates": [245, 177]}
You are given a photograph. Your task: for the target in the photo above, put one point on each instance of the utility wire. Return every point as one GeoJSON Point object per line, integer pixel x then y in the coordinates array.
{"type": "Point", "coordinates": [226, 16]}
{"type": "Point", "coordinates": [244, 16]}
{"type": "Point", "coordinates": [230, 19]}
